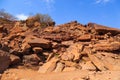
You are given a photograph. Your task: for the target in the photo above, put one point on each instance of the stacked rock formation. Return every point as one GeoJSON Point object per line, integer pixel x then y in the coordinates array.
{"type": "Point", "coordinates": [67, 47]}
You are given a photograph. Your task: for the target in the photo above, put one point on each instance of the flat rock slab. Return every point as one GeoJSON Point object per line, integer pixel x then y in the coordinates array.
{"type": "Point", "coordinates": [114, 46]}
{"type": "Point", "coordinates": [38, 42]}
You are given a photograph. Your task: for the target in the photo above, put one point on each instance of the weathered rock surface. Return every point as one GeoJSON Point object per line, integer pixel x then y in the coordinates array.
{"type": "Point", "coordinates": [76, 50]}
{"type": "Point", "coordinates": [14, 59]}
{"type": "Point", "coordinates": [113, 46]}
{"type": "Point", "coordinates": [49, 66]}
{"type": "Point", "coordinates": [37, 49]}
{"type": "Point", "coordinates": [37, 42]}
{"type": "Point", "coordinates": [31, 59]}
{"type": "Point", "coordinates": [88, 66]}
{"type": "Point", "coordinates": [4, 60]}
{"type": "Point", "coordinates": [68, 47]}
{"type": "Point", "coordinates": [59, 67]}
{"type": "Point", "coordinates": [104, 29]}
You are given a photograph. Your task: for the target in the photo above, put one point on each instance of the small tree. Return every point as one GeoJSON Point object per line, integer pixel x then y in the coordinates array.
{"type": "Point", "coordinates": [6, 15]}
{"type": "Point", "coordinates": [44, 19]}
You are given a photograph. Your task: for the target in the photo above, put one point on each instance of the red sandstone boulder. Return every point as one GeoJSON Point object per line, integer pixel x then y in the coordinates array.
{"type": "Point", "coordinates": [4, 60]}
{"type": "Point", "coordinates": [76, 50]}
{"type": "Point", "coordinates": [14, 59]}
{"type": "Point", "coordinates": [37, 49]}
{"type": "Point", "coordinates": [85, 37]}
{"type": "Point", "coordinates": [38, 42]}
{"type": "Point", "coordinates": [49, 66]}
{"type": "Point", "coordinates": [113, 46]}
{"type": "Point", "coordinates": [103, 29]}
{"type": "Point", "coordinates": [31, 60]}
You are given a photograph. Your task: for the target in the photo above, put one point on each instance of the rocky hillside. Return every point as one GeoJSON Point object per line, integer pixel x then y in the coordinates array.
{"type": "Point", "coordinates": [61, 48]}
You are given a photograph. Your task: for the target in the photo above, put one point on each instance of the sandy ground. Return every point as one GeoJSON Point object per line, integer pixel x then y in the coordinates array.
{"type": "Point", "coordinates": [27, 74]}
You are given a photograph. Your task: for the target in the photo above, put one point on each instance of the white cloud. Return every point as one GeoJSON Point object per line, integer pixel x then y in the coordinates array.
{"type": "Point", "coordinates": [102, 1]}
{"type": "Point", "coordinates": [49, 1]}
{"type": "Point", "coordinates": [98, 1]}
{"type": "Point", "coordinates": [49, 4]}
{"type": "Point", "coordinates": [22, 16]}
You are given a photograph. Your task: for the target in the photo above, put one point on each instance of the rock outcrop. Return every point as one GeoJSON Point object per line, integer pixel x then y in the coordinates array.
{"type": "Point", "coordinates": [67, 47]}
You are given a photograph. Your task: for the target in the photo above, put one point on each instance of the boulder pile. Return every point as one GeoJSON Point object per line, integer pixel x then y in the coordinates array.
{"type": "Point", "coordinates": [67, 47]}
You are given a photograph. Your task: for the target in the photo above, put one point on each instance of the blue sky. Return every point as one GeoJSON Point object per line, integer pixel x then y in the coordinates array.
{"type": "Point", "coordinates": [105, 12]}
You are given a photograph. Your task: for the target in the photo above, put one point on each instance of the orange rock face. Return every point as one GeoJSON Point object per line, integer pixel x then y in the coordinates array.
{"type": "Point", "coordinates": [67, 47]}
